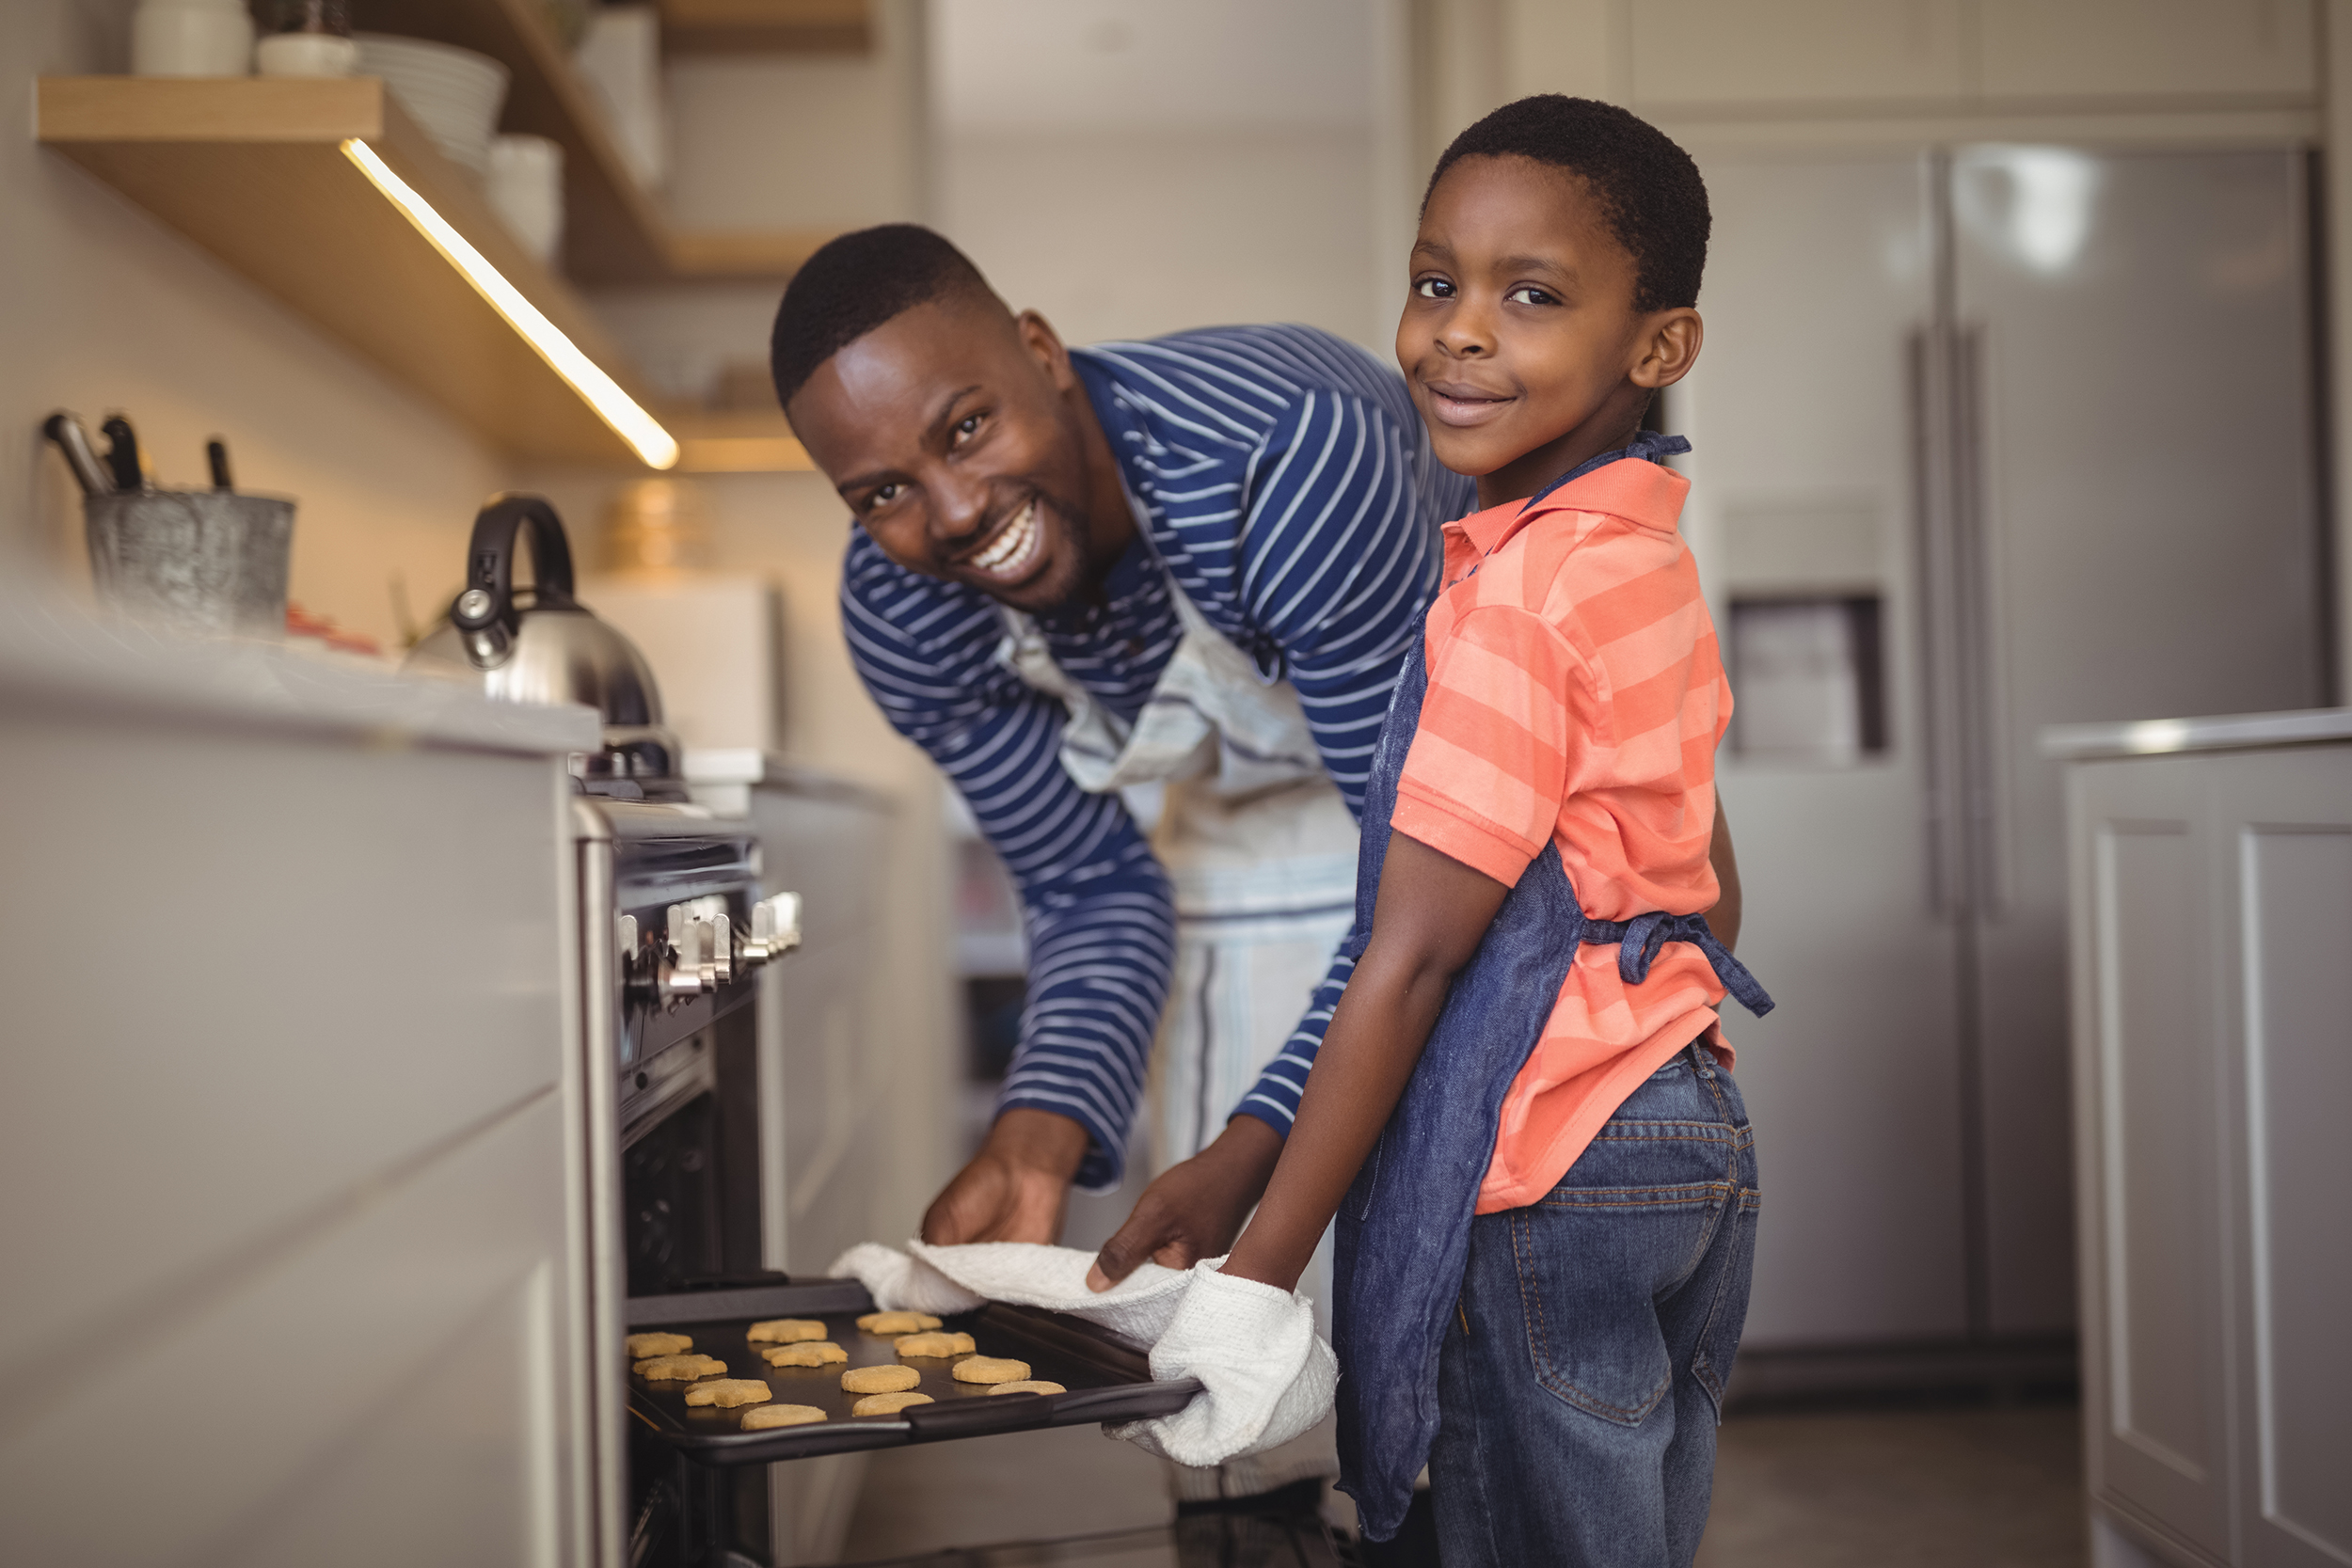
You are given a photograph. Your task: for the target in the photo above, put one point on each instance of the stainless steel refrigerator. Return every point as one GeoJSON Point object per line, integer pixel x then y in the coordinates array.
{"type": "Point", "coordinates": [1987, 439]}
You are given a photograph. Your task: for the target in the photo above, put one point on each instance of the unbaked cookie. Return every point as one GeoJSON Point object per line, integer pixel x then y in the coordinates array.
{"type": "Point", "coordinates": [887, 1405]}
{"type": "Point", "coordinates": [933, 1342]}
{"type": "Point", "coordinates": [808, 1353]}
{"type": "Point", "coordinates": [642, 1346]}
{"type": "Point", "coordinates": [1029, 1385]}
{"type": "Point", "coordinates": [989, 1369]}
{"type": "Point", "coordinates": [887, 1324]}
{"type": "Point", "coordinates": [767, 1415]}
{"type": "Point", "coordinates": [785, 1331]}
{"type": "Point", "coordinates": [729, 1392]}
{"type": "Point", "coordinates": [679, 1369]}
{"type": "Point", "coordinates": [882, 1380]}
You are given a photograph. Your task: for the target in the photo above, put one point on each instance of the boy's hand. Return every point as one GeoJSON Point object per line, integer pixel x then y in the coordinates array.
{"type": "Point", "coordinates": [1016, 1188]}
{"type": "Point", "coordinates": [1195, 1209]}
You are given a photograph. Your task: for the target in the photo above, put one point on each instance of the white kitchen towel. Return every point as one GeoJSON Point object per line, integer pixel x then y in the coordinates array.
{"type": "Point", "coordinates": [944, 1279]}
{"type": "Point", "coordinates": [1266, 1376]}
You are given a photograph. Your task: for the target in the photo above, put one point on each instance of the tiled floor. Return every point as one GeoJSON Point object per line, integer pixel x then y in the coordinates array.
{"type": "Point", "coordinates": [1901, 1489]}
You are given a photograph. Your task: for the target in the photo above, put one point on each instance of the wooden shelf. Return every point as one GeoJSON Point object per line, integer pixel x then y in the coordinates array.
{"type": "Point", "coordinates": [766, 27]}
{"type": "Point", "coordinates": [613, 231]}
{"type": "Point", "coordinates": [254, 171]}
{"type": "Point", "coordinates": [737, 443]}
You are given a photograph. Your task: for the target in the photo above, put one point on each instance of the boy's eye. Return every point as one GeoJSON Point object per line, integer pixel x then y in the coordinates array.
{"type": "Point", "coordinates": [1432, 288]}
{"type": "Point", "coordinates": [1527, 294]}
{"type": "Point", "coordinates": [882, 496]}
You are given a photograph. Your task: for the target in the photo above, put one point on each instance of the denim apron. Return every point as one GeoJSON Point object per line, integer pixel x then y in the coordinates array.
{"type": "Point", "coordinates": [1403, 1236]}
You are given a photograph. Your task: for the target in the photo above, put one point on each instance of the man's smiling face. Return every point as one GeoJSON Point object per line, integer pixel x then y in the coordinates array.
{"type": "Point", "coordinates": [958, 434]}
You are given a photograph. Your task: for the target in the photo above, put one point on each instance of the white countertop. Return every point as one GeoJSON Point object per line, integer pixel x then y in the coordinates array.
{"type": "Point", "coordinates": [52, 651]}
{"type": "Point", "coordinates": [2222, 733]}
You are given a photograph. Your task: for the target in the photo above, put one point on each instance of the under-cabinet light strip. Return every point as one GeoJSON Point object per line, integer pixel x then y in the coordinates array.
{"type": "Point", "coordinates": [614, 406]}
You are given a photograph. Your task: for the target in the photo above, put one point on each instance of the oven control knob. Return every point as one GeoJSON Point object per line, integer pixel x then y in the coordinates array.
{"type": "Point", "coordinates": [687, 971]}
{"type": "Point", "coordinates": [775, 928]}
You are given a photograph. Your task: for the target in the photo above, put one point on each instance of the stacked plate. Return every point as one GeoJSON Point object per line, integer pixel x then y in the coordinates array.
{"type": "Point", "coordinates": [455, 94]}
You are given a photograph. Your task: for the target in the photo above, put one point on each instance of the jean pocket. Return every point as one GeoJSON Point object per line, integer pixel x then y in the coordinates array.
{"type": "Point", "coordinates": [1719, 1342]}
{"type": "Point", "coordinates": [1593, 1263]}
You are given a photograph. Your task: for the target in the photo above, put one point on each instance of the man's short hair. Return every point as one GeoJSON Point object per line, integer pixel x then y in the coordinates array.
{"type": "Point", "coordinates": [852, 285]}
{"type": "Point", "coordinates": [1649, 191]}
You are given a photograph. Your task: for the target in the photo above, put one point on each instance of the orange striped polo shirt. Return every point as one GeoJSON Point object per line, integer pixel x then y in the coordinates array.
{"type": "Point", "coordinates": [1577, 694]}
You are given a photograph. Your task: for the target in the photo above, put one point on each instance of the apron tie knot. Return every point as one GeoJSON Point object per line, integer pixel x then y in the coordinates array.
{"type": "Point", "coordinates": [1639, 939]}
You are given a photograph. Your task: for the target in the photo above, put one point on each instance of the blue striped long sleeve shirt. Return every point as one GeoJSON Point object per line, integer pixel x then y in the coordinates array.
{"type": "Point", "coordinates": [1288, 486]}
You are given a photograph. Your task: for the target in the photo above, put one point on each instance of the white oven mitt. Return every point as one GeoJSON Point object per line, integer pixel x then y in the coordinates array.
{"type": "Point", "coordinates": [1265, 1375]}
{"type": "Point", "coordinates": [944, 1279]}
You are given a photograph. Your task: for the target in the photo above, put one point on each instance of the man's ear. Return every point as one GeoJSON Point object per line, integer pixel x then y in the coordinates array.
{"type": "Point", "coordinates": [1045, 346]}
{"type": "Point", "coordinates": [1670, 347]}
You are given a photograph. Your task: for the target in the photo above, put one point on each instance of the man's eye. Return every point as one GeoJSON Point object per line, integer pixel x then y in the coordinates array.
{"type": "Point", "coordinates": [1527, 294]}
{"type": "Point", "coordinates": [966, 427]}
{"type": "Point", "coordinates": [1432, 288]}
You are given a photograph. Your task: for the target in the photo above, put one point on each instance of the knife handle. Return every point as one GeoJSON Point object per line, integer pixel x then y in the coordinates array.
{"type": "Point", "coordinates": [72, 439]}
{"type": "Point", "coordinates": [122, 453]}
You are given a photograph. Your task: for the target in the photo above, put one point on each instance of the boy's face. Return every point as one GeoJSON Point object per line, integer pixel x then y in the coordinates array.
{"type": "Point", "coordinates": [1519, 339]}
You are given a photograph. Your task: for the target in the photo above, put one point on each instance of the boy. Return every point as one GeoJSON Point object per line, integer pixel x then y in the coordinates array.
{"type": "Point", "coordinates": [1545, 1235]}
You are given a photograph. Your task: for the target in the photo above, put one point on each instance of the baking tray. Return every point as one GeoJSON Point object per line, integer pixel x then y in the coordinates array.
{"type": "Point", "coordinates": [1108, 1379]}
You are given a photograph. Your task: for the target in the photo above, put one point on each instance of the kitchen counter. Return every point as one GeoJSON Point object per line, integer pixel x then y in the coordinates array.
{"type": "Point", "coordinates": [53, 652]}
{"type": "Point", "coordinates": [292, 946]}
{"type": "Point", "coordinates": [2222, 733]}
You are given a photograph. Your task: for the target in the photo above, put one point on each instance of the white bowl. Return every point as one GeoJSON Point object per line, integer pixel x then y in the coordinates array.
{"type": "Point", "coordinates": [453, 93]}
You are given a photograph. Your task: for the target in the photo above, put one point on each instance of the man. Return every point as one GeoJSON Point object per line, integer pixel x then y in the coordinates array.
{"type": "Point", "coordinates": [1197, 563]}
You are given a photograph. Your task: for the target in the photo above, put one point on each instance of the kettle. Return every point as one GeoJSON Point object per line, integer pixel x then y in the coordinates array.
{"type": "Point", "coordinates": [541, 645]}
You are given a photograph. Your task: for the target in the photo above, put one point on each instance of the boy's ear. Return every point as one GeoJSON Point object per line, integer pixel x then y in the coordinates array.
{"type": "Point", "coordinates": [1670, 346]}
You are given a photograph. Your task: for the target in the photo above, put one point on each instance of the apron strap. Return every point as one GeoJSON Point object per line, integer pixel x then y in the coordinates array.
{"type": "Point", "coordinates": [1639, 939]}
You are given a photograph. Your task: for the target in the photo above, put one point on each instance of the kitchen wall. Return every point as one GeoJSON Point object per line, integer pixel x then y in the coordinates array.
{"type": "Point", "coordinates": [103, 308]}
{"type": "Point", "coordinates": [1130, 170]}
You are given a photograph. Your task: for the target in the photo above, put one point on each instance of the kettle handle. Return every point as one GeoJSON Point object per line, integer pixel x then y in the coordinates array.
{"type": "Point", "coordinates": [485, 612]}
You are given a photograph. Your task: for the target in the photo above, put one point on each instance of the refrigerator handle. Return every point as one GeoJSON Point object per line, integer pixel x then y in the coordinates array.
{"type": "Point", "coordinates": [1926, 359]}
{"type": "Point", "coordinates": [1979, 774]}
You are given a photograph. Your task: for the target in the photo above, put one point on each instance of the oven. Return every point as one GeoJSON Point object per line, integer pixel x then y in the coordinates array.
{"type": "Point", "coordinates": [674, 930]}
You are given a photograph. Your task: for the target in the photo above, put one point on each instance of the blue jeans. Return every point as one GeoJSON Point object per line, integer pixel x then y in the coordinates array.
{"type": "Point", "coordinates": [1581, 1380]}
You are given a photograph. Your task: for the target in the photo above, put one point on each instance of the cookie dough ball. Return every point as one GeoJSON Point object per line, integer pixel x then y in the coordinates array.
{"type": "Point", "coordinates": [990, 1369]}
{"type": "Point", "coordinates": [933, 1342]}
{"type": "Point", "coordinates": [644, 1347]}
{"type": "Point", "coordinates": [808, 1353]}
{"type": "Point", "coordinates": [887, 1324]}
{"type": "Point", "coordinates": [681, 1368]}
{"type": "Point", "coordinates": [781, 1415]}
{"type": "Point", "coordinates": [880, 1380]}
{"type": "Point", "coordinates": [1029, 1385]}
{"type": "Point", "coordinates": [728, 1392]}
{"type": "Point", "coordinates": [785, 1331]}
{"type": "Point", "coordinates": [887, 1405]}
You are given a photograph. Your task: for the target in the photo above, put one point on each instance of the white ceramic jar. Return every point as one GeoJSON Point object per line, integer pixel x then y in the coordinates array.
{"type": "Point", "coordinates": [191, 38]}
{"type": "Point", "coordinates": [306, 55]}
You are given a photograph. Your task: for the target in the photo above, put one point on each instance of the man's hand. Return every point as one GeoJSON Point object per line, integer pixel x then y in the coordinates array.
{"type": "Point", "coordinates": [1016, 1188]}
{"type": "Point", "coordinates": [1195, 1209]}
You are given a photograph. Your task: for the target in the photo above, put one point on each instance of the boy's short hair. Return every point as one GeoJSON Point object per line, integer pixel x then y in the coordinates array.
{"type": "Point", "coordinates": [854, 284]}
{"type": "Point", "coordinates": [1649, 190]}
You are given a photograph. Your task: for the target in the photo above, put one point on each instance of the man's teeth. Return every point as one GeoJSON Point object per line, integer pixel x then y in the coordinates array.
{"type": "Point", "coordinates": [1010, 544]}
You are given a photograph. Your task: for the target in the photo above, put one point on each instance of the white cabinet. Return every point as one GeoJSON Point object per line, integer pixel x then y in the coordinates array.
{"type": "Point", "coordinates": [288, 1149]}
{"type": "Point", "coordinates": [1774, 59]}
{"type": "Point", "coordinates": [2147, 48]}
{"type": "Point", "coordinates": [1694, 52]}
{"type": "Point", "coordinates": [2212, 1067]}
